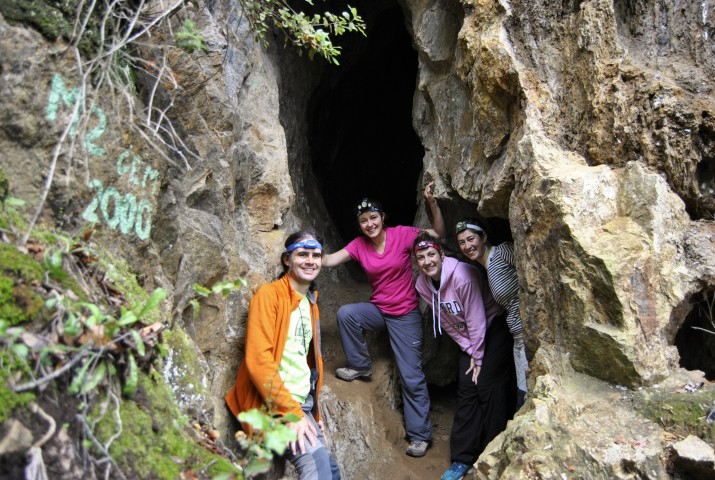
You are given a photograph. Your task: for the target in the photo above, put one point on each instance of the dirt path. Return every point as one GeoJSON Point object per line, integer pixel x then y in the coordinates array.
{"type": "Point", "coordinates": [436, 461]}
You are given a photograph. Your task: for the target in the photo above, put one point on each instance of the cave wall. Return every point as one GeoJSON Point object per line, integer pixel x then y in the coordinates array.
{"type": "Point", "coordinates": [586, 124]}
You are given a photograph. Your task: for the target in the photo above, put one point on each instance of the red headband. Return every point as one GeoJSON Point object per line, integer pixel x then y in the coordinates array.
{"type": "Point", "coordinates": [426, 244]}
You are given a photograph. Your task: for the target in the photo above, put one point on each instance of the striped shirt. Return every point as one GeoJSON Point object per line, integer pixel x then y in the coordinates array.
{"type": "Point", "coordinates": [504, 283]}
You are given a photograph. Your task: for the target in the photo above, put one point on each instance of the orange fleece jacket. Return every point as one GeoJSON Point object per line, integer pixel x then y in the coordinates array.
{"type": "Point", "coordinates": [258, 382]}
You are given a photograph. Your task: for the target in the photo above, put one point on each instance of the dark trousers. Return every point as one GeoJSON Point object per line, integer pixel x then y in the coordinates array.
{"type": "Point", "coordinates": [484, 409]}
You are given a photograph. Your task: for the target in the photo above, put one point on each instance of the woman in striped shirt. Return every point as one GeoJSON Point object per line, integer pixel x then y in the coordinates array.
{"type": "Point", "coordinates": [503, 282]}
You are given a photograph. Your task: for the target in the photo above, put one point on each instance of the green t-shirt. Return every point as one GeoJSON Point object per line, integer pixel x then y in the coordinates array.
{"type": "Point", "coordinates": [294, 369]}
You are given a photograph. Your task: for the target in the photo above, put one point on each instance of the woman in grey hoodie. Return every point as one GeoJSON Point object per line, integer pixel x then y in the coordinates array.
{"type": "Point", "coordinates": [464, 308]}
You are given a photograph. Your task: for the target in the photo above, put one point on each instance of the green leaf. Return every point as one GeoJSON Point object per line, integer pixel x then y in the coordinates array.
{"type": "Point", "coordinates": [130, 385]}
{"type": "Point", "coordinates": [225, 288]}
{"type": "Point", "coordinates": [201, 290]}
{"type": "Point", "coordinates": [95, 379]}
{"type": "Point", "coordinates": [79, 376]}
{"type": "Point", "coordinates": [72, 325]}
{"type": "Point", "coordinates": [14, 202]}
{"type": "Point", "coordinates": [256, 466]}
{"type": "Point", "coordinates": [277, 438]}
{"type": "Point", "coordinates": [20, 349]}
{"type": "Point", "coordinates": [96, 316]}
{"type": "Point", "coordinates": [156, 297]}
{"type": "Point", "coordinates": [290, 418]}
{"type": "Point", "coordinates": [224, 476]}
{"type": "Point", "coordinates": [52, 261]}
{"type": "Point", "coordinates": [127, 317]}
{"type": "Point", "coordinates": [163, 349]}
{"type": "Point", "coordinates": [255, 418]}
{"type": "Point", "coordinates": [140, 343]}
{"type": "Point", "coordinates": [196, 307]}
{"type": "Point", "coordinates": [188, 39]}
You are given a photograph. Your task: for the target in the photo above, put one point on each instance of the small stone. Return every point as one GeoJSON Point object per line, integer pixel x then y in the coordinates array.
{"type": "Point", "coordinates": [16, 437]}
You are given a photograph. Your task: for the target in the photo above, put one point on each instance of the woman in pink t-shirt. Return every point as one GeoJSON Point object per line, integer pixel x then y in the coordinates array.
{"type": "Point", "coordinates": [385, 255]}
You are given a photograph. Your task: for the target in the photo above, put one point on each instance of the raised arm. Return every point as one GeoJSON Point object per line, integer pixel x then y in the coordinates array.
{"type": "Point", "coordinates": [337, 258]}
{"type": "Point", "coordinates": [438, 228]}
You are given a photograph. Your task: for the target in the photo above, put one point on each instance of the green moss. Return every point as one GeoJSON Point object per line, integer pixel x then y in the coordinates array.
{"type": "Point", "coordinates": [683, 413]}
{"type": "Point", "coordinates": [53, 19]}
{"type": "Point", "coordinates": [4, 186]}
{"type": "Point", "coordinates": [11, 219]}
{"type": "Point", "coordinates": [125, 280]}
{"type": "Point", "coordinates": [18, 300]}
{"type": "Point", "coordinates": [18, 303]}
{"type": "Point", "coordinates": [182, 369]}
{"type": "Point", "coordinates": [15, 263]}
{"type": "Point", "coordinates": [153, 443]}
{"type": "Point", "coordinates": [9, 400]}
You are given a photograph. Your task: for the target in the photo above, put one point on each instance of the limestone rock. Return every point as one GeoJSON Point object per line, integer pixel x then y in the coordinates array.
{"type": "Point", "coordinates": [694, 457]}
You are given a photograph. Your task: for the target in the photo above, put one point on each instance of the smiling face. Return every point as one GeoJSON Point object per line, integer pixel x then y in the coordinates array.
{"type": "Point", "coordinates": [371, 224]}
{"type": "Point", "coordinates": [303, 266]}
{"type": "Point", "coordinates": [429, 261]}
{"type": "Point", "coordinates": [471, 244]}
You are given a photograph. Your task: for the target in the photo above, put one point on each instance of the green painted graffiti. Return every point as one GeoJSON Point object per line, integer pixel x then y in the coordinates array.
{"type": "Point", "coordinates": [116, 210]}
{"type": "Point", "coordinates": [119, 211]}
{"type": "Point", "coordinates": [137, 164]}
{"type": "Point", "coordinates": [72, 98]}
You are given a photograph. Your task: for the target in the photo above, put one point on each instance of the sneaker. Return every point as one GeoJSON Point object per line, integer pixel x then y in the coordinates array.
{"type": "Point", "coordinates": [417, 448]}
{"type": "Point", "coordinates": [456, 471]}
{"type": "Point", "coordinates": [350, 374]}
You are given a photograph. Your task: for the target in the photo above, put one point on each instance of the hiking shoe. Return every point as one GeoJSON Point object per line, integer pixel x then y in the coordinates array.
{"type": "Point", "coordinates": [350, 374]}
{"type": "Point", "coordinates": [456, 471]}
{"type": "Point", "coordinates": [417, 448]}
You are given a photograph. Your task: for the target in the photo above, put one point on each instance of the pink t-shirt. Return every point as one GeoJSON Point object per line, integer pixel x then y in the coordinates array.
{"type": "Point", "coordinates": [390, 274]}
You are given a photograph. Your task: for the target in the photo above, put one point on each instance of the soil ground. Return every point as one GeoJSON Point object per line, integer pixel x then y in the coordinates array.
{"type": "Point", "coordinates": [436, 461]}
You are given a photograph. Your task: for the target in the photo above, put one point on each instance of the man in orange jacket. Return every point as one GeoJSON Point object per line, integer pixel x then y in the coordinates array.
{"type": "Point", "coordinates": [283, 368]}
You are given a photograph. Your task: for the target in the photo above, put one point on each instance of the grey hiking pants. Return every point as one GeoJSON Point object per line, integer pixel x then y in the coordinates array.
{"type": "Point", "coordinates": [406, 334]}
{"type": "Point", "coordinates": [317, 463]}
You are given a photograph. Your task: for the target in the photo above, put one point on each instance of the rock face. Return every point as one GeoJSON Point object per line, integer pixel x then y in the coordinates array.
{"type": "Point", "coordinates": [581, 115]}
{"type": "Point", "coordinates": [588, 125]}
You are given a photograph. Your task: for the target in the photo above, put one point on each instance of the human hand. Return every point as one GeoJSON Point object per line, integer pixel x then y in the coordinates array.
{"type": "Point", "coordinates": [304, 429]}
{"type": "Point", "coordinates": [475, 369]}
{"type": "Point", "coordinates": [428, 191]}
{"type": "Point", "coordinates": [321, 425]}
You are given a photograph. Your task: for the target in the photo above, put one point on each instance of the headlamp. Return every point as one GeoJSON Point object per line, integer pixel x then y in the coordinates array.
{"type": "Point", "coordinates": [426, 244]}
{"type": "Point", "coordinates": [309, 243]}
{"type": "Point", "coordinates": [367, 205]}
{"type": "Point", "coordinates": [462, 226]}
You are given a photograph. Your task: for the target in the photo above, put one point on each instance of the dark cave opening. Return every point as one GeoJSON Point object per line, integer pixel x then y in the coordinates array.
{"type": "Point", "coordinates": [360, 122]}
{"type": "Point", "coordinates": [696, 338]}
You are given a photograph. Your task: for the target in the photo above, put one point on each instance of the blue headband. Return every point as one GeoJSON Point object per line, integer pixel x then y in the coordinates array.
{"type": "Point", "coordinates": [310, 243]}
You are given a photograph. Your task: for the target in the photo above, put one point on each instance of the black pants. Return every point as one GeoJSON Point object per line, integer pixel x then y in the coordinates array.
{"type": "Point", "coordinates": [484, 409]}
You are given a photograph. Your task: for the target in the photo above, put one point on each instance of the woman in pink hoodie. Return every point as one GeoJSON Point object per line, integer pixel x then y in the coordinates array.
{"type": "Point", "coordinates": [464, 308]}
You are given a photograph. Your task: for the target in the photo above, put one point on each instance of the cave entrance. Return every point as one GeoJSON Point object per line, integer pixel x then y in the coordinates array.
{"type": "Point", "coordinates": [360, 122]}
{"type": "Point", "coordinates": [696, 338]}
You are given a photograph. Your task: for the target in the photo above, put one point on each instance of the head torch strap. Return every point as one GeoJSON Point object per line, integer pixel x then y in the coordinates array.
{"type": "Point", "coordinates": [427, 244]}
{"type": "Point", "coordinates": [461, 226]}
{"type": "Point", "coordinates": [310, 244]}
{"type": "Point", "coordinates": [367, 206]}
